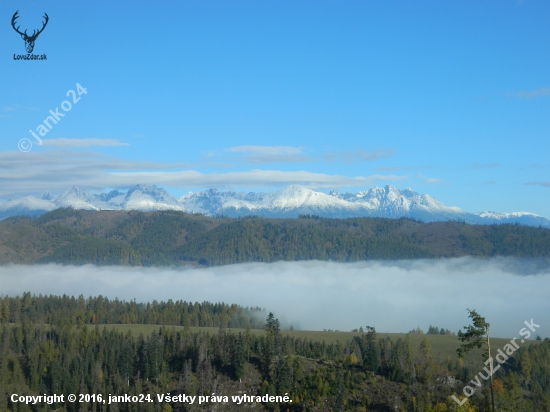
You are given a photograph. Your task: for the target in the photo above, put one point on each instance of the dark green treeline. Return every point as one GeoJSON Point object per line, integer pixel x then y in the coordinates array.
{"type": "Point", "coordinates": [100, 310]}
{"type": "Point", "coordinates": [175, 238]}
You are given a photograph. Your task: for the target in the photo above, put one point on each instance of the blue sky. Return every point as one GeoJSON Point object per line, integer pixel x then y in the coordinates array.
{"type": "Point", "coordinates": [448, 98]}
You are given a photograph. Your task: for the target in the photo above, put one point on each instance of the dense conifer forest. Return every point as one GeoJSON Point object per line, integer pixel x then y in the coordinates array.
{"type": "Point", "coordinates": [100, 310]}
{"type": "Point", "coordinates": [46, 348]}
{"type": "Point", "coordinates": [175, 238]}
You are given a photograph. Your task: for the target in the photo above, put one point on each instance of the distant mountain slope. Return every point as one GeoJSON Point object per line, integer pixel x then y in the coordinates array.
{"type": "Point", "coordinates": [292, 201]}
{"type": "Point", "coordinates": [28, 205]}
{"type": "Point", "coordinates": [173, 238]}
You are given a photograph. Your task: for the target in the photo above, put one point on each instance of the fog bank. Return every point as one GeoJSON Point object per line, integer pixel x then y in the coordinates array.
{"type": "Point", "coordinates": [393, 296]}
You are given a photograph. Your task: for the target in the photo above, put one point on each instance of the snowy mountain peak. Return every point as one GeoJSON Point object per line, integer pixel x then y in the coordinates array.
{"type": "Point", "coordinates": [150, 190]}
{"type": "Point", "coordinates": [291, 197]}
{"type": "Point", "coordinates": [47, 196]}
{"type": "Point", "coordinates": [28, 205]}
{"type": "Point", "coordinates": [497, 215]}
{"type": "Point", "coordinates": [77, 199]}
{"type": "Point", "coordinates": [149, 198]}
{"type": "Point", "coordinates": [106, 197]}
{"type": "Point", "coordinates": [387, 201]}
{"type": "Point", "coordinates": [294, 192]}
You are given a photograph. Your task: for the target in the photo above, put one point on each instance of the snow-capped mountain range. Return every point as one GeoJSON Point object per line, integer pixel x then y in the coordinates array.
{"type": "Point", "coordinates": [289, 202]}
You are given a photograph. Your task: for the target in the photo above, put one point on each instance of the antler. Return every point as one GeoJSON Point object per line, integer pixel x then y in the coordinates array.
{"type": "Point", "coordinates": [15, 16]}
{"type": "Point", "coordinates": [43, 25]}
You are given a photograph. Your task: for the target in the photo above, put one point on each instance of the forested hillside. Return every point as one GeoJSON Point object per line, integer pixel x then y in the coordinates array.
{"type": "Point", "coordinates": [175, 238]}
{"type": "Point", "coordinates": [366, 373]}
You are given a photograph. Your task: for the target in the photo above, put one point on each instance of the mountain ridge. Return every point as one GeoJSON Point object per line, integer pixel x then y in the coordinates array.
{"type": "Point", "coordinates": [292, 201]}
{"type": "Point", "coordinates": [174, 238]}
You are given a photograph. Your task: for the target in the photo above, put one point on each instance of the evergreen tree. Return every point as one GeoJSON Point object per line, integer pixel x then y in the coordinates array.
{"type": "Point", "coordinates": [477, 335]}
{"type": "Point", "coordinates": [425, 366]}
{"type": "Point", "coordinates": [239, 356]}
{"type": "Point", "coordinates": [271, 346]}
{"type": "Point", "coordinates": [371, 359]}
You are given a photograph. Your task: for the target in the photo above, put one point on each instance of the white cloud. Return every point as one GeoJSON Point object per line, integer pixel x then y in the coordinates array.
{"type": "Point", "coordinates": [529, 94]}
{"type": "Point", "coordinates": [367, 156]}
{"type": "Point", "coordinates": [261, 160]}
{"type": "Point", "coordinates": [265, 150]}
{"type": "Point", "coordinates": [268, 154]}
{"type": "Point", "coordinates": [399, 168]}
{"type": "Point", "coordinates": [55, 171]}
{"type": "Point", "coordinates": [250, 178]}
{"type": "Point", "coordinates": [543, 184]}
{"type": "Point", "coordinates": [17, 107]}
{"type": "Point", "coordinates": [7, 109]}
{"type": "Point", "coordinates": [289, 154]}
{"type": "Point", "coordinates": [63, 142]}
{"type": "Point", "coordinates": [394, 296]}
{"type": "Point", "coordinates": [485, 165]}
{"type": "Point", "coordinates": [432, 179]}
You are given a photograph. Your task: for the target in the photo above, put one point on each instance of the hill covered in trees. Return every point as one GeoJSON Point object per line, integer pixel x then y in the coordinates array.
{"type": "Point", "coordinates": [368, 372]}
{"type": "Point", "coordinates": [174, 238]}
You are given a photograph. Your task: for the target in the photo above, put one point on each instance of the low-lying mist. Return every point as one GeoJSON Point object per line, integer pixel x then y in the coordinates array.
{"type": "Point", "coordinates": [393, 296]}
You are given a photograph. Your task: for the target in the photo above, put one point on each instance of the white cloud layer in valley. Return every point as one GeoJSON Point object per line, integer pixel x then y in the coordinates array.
{"type": "Point", "coordinates": [393, 296]}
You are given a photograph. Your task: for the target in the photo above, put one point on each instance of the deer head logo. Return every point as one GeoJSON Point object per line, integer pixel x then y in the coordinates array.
{"type": "Point", "coordinates": [29, 40]}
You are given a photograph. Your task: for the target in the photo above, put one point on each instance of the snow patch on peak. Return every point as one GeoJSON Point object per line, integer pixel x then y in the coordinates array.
{"type": "Point", "coordinates": [296, 196]}
{"type": "Point", "coordinates": [498, 215]}
{"type": "Point", "coordinates": [28, 203]}
{"type": "Point", "coordinates": [149, 198]}
{"type": "Point", "coordinates": [106, 197]}
{"type": "Point", "coordinates": [150, 190]}
{"type": "Point", "coordinates": [77, 199]}
{"type": "Point", "coordinates": [47, 196]}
